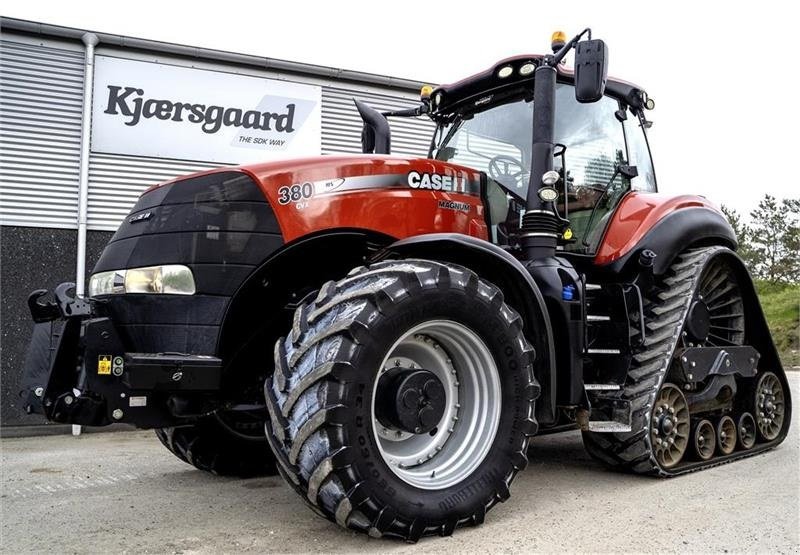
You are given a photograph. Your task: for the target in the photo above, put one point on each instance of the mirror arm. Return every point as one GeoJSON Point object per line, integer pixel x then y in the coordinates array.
{"type": "Point", "coordinates": [420, 110]}
{"type": "Point", "coordinates": [558, 56]}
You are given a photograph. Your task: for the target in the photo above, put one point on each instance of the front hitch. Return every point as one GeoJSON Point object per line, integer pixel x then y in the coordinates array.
{"type": "Point", "coordinates": [77, 370]}
{"type": "Point", "coordinates": [64, 306]}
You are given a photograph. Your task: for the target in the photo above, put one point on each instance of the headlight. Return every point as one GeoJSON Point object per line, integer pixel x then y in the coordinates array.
{"type": "Point", "coordinates": [172, 279]}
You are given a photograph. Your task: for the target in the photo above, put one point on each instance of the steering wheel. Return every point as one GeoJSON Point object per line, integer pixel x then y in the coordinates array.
{"type": "Point", "coordinates": [507, 170]}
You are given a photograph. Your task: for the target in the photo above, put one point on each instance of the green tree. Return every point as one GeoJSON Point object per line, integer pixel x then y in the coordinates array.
{"type": "Point", "coordinates": [770, 243]}
{"type": "Point", "coordinates": [743, 233]}
{"type": "Point", "coordinates": [774, 239]}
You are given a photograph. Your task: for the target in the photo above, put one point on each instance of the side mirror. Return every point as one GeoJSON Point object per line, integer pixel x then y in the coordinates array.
{"type": "Point", "coordinates": [591, 70]}
{"type": "Point", "coordinates": [375, 135]}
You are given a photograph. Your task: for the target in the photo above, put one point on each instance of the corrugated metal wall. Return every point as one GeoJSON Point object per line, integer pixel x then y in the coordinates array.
{"type": "Point", "coordinates": [341, 124]}
{"type": "Point", "coordinates": [41, 90]}
{"type": "Point", "coordinates": [115, 182]}
{"type": "Point", "coordinates": [40, 121]}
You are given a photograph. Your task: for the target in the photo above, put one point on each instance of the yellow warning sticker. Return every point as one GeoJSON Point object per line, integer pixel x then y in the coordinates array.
{"type": "Point", "coordinates": [104, 364]}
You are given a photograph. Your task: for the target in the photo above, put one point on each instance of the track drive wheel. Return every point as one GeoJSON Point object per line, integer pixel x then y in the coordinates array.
{"type": "Point", "coordinates": [403, 399]}
{"type": "Point", "coordinates": [230, 444]}
{"type": "Point", "coordinates": [770, 406]}
{"type": "Point", "coordinates": [669, 428]}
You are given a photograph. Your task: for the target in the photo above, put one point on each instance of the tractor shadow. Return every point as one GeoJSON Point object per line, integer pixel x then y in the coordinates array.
{"type": "Point", "coordinates": [265, 515]}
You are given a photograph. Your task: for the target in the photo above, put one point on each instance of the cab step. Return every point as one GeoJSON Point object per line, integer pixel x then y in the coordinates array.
{"type": "Point", "coordinates": [608, 426]}
{"type": "Point", "coordinates": [602, 387]}
{"type": "Point", "coordinates": [602, 351]}
{"type": "Point", "coordinates": [597, 318]}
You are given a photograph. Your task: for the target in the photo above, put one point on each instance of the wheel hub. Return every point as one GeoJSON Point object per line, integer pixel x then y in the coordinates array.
{"type": "Point", "coordinates": [667, 425]}
{"type": "Point", "coordinates": [410, 400]}
{"type": "Point", "coordinates": [698, 321]}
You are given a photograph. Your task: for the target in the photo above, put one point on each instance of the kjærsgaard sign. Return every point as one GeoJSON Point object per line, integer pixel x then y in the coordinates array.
{"type": "Point", "coordinates": [150, 109]}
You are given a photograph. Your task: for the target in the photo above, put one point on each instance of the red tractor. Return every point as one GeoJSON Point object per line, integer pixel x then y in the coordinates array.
{"type": "Point", "coordinates": [389, 333]}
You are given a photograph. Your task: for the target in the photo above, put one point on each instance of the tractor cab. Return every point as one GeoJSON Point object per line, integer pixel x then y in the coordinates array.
{"type": "Point", "coordinates": [598, 145]}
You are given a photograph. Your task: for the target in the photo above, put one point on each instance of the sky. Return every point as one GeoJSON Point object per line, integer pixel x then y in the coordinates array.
{"type": "Point", "coordinates": [726, 113]}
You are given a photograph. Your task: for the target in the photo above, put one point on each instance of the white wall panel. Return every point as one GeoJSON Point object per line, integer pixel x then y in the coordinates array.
{"type": "Point", "coordinates": [41, 89]}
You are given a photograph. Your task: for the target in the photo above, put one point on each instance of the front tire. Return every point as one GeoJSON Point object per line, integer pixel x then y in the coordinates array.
{"type": "Point", "coordinates": [328, 401]}
{"type": "Point", "coordinates": [222, 444]}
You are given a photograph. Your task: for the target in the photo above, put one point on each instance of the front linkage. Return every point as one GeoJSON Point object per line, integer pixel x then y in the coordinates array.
{"type": "Point", "coordinates": [77, 370]}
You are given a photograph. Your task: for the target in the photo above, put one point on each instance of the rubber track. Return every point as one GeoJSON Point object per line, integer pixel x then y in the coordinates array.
{"type": "Point", "coordinates": [312, 370]}
{"type": "Point", "coordinates": [665, 311]}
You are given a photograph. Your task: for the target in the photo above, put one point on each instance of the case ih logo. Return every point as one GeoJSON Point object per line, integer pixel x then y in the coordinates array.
{"type": "Point", "coordinates": [437, 182]}
{"type": "Point", "coordinates": [130, 102]}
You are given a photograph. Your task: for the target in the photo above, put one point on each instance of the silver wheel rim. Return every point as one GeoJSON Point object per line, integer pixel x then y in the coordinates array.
{"type": "Point", "coordinates": [463, 437]}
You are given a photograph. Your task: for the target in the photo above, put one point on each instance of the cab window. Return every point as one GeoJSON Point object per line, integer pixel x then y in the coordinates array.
{"type": "Point", "coordinates": [595, 147]}
{"type": "Point", "coordinates": [639, 153]}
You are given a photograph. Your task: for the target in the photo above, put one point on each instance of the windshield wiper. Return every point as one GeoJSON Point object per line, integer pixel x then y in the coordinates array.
{"type": "Point", "coordinates": [619, 169]}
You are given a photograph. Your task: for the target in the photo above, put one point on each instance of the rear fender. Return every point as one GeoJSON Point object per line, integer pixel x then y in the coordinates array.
{"type": "Point", "coordinates": [499, 267]}
{"type": "Point", "coordinates": [664, 225]}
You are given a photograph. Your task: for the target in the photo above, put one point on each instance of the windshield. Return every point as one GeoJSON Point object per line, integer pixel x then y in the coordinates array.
{"type": "Point", "coordinates": [498, 142]}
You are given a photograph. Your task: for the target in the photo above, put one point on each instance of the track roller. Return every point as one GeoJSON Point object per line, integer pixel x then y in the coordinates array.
{"type": "Point", "coordinates": [726, 435]}
{"type": "Point", "coordinates": [704, 438]}
{"type": "Point", "coordinates": [747, 430]}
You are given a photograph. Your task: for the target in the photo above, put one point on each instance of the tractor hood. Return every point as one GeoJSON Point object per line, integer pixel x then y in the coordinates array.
{"type": "Point", "coordinates": [362, 191]}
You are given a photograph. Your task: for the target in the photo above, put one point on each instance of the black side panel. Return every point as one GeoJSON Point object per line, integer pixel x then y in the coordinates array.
{"type": "Point", "coordinates": [689, 227]}
{"type": "Point", "coordinates": [221, 226]}
{"type": "Point", "coordinates": [188, 247]}
{"type": "Point", "coordinates": [229, 186]}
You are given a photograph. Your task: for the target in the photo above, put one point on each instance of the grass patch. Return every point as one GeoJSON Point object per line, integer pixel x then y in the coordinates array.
{"type": "Point", "coordinates": [781, 304]}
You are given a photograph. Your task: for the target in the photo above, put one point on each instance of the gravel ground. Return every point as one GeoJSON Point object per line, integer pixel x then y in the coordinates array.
{"type": "Point", "coordinates": [123, 492]}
